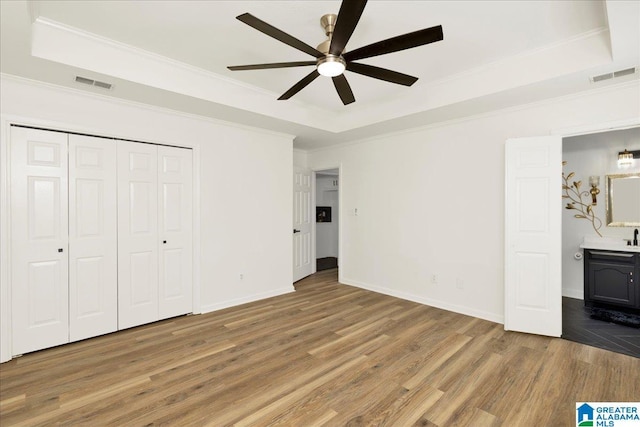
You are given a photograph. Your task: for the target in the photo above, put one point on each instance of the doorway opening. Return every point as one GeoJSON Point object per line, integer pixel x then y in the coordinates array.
{"type": "Point", "coordinates": [326, 219]}
{"type": "Point", "coordinates": [594, 154]}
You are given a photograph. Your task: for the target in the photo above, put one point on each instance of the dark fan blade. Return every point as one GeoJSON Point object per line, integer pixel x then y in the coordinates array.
{"type": "Point", "coordinates": [381, 73]}
{"type": "Point", "coordinates": [277, 34]}
{"type": "Point", "coordinates": [300, 85]}
{"type": "Point", "coordinates": [395, 44]}
{"type": "Point", "coordinates": [343, 88]}
{"type": "Point", "coordinates": [348, 17]}
{"type": "Point", "coordinates": [274, 65]}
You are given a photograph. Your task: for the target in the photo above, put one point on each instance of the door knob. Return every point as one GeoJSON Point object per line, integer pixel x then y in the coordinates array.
{"type": "Point", "coordinates": [59, 249]}
{"type": "Point", "coordinates": [295, 231]}
{"type": "Point", "coordinates": [164, 242]}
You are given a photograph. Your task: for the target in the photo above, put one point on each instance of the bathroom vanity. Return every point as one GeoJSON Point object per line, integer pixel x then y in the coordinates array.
{"type": "Point", "coordinates": [611, 274]}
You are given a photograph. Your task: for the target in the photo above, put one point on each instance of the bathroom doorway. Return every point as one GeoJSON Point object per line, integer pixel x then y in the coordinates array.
{"type": "Point", "coordinates": [594, 154]}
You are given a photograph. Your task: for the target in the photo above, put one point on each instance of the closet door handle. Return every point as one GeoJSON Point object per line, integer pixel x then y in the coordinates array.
{"type": "Point", "coordinates": [60, 249]}
{"type": "Point", "coordinates": [164, 242]}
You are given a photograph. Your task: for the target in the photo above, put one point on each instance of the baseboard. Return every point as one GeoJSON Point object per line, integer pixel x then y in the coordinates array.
{"type": "Point", "coordinates": [573, 293]}
{"type": "Point", "coordinates": [246, 299]}
{"type": "Point", "coordinates": [492, 317]}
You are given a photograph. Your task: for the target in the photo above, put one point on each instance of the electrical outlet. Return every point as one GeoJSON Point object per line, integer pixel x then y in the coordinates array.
{"type": "Point", "coordinates": [459, 283]}
{"type": "Point", "coordinates": [434, 279]}
{"type": "Point", "coordinates": [241, 276]}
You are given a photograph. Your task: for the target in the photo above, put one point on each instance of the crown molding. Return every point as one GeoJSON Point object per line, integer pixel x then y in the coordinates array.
{"type": "Point", "coordinates": [139, 105]}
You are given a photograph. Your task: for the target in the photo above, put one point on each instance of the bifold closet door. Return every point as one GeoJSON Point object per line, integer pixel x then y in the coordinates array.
{"type": "Point", "coordinates": [39, 240]}
{"type": "Point", "coordinates": [93, 245]}
{"type": "Point", "coordinates": [154, 233]}
{"type": "Point", "coordinates": [175, 225]}
{"type": "Point", "coordinates": [137, 234]}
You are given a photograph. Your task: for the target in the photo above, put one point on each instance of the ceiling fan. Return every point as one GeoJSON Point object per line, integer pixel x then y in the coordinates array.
{"type": "Point", "coordinates": [331, 57]}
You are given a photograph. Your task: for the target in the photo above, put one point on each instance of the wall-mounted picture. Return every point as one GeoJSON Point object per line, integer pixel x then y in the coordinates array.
{"type": "Point", "coordinates": [323, 213]}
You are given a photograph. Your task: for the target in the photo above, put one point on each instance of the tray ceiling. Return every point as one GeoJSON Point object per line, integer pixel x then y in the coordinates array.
{"type": "Point", "coordinates": [174, 54]}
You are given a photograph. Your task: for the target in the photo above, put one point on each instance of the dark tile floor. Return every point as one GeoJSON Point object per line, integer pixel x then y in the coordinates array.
{"type": "Point", "coordinates": [579, 327]}
{"type": "Point", "coordinates": [326, 263]}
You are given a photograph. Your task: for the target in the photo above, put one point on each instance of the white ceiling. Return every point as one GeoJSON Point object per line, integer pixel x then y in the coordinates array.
{"type": "Point", "coordinates": [174, 54]}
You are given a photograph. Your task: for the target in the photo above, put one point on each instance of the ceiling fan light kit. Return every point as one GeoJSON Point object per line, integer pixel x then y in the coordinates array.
{"type": "Point", "coordinates": [331, 57]}
{"type": "Point", "coordinates": [331, 66]}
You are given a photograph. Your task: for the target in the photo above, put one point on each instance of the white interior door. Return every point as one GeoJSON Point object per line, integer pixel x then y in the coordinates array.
{"type": "Point", "coordinates": [175, 223]}
{"type": "Point", "coordinates": [39, 239]}
{"type": "Point", "coordinates": [137, 234]}
{"type": "Point", "coordinates": [302, 265]}
{"type": "Point", "coordinates": [93, 256]}
{"type": "Point", "coordinates": [533, 239]}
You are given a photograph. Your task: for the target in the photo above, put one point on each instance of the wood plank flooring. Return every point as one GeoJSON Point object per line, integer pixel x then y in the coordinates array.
{"type": "Point", "coordinates": [325, 355]}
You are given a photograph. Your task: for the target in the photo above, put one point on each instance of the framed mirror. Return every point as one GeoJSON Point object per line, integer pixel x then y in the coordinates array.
{"type": "Point", "coordinates": [623, 200]}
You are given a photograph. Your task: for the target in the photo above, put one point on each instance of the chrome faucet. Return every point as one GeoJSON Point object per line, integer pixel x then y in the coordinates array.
{"type": "Point", "coordinates": [635, 237]}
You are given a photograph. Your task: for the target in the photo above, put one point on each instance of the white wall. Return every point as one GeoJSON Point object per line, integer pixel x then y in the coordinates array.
{"type": "Point", "coordinates": [243, 202]}
{"type": "Point", "coordinates": [246, 218]}
{"type": "Point", "coordinates": [586, 155]}
{"type": "Point", "coordinates": [327, 232]}
{"type": "Point", "coordinates": [438, 207]}
{"type": "Point", "coordinates": [300, 158]}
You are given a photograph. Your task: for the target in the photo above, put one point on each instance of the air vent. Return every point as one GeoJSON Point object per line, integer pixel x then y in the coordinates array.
{"type": "Point", "coordinates": [624, 72]}
{"type": "Point", "coordinates": [92, 82]}
{"type": "Point", "coordinates": [84, 80]}
{"type": "Point", "coordinates": [102, 84]}
{"type": "Point", "coordinates": [615, 74]}
{"type": "Point", "coordinates": [602, 77]}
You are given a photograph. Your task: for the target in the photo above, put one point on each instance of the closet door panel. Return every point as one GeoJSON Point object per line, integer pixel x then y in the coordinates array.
{"type": "Point", "coordinates": [175, 171]}
{"type": "Point", "coordinates": [39, 240]}
{"type": "Point", "coordinates": [142, 266]}
{"type": "Point", "coordinates": [137, 234]}
{"type": "Point", "coordinates": [93, 256]}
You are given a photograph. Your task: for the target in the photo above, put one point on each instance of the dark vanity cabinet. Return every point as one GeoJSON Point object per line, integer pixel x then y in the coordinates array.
{"type": "Point", "coordinates": [611, 277]}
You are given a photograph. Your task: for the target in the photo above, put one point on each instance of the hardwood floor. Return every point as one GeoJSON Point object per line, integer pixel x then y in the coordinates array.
{"type": "Point", "coordinates": [578, 326]}
{"type": "Point", "coordinates": [327, 354]}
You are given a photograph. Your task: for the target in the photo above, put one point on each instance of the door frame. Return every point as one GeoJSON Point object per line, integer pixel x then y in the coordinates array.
{"type": "Point", "coordinates": [6, 121]}
{"type": "Point", "coordinates": [586, 130]}
{"type": "Point", "coordinates": [314, 173]}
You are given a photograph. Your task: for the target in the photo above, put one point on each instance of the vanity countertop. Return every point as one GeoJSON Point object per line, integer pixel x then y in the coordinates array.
{"type": "Point", "coordinates": [608, 244]}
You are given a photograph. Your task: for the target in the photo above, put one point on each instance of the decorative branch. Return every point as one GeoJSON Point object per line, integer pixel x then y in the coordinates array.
{"type": "Point", "coordinates": [573, 193]}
